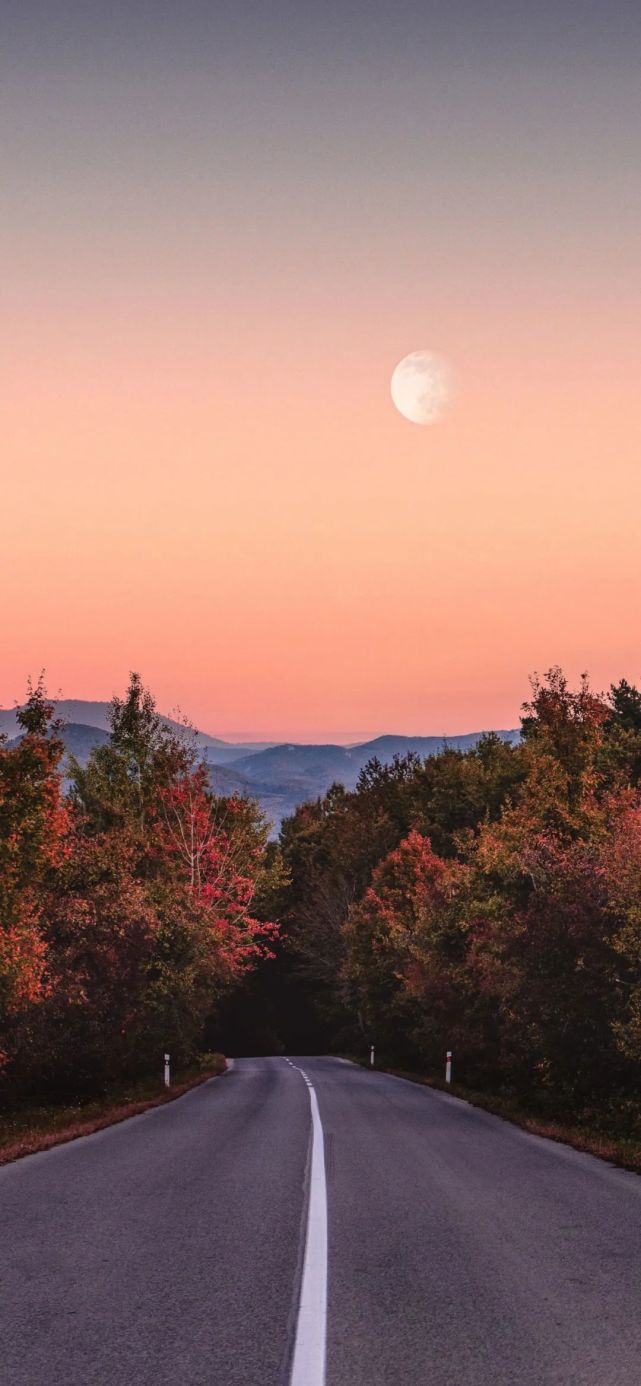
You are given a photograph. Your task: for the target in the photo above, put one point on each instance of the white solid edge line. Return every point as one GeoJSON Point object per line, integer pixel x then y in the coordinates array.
{"type": "Point", "coordinates": [308, 1365]}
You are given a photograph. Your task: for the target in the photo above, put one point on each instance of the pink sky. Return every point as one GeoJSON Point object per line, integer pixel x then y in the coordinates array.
{"type": "Point", "coordinates": [204, 478]}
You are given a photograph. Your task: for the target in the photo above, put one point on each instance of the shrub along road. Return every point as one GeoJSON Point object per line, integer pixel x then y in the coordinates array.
{"type": "Point", "coordinates": [462, 1250]}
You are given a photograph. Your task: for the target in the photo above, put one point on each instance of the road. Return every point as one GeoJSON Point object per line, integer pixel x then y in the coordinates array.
{"type": "Point", "coordinates": [461, 1250]}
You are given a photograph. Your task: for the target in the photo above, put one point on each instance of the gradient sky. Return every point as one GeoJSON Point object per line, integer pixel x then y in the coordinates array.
{"type": "Point", "coordinates": [223, 224]}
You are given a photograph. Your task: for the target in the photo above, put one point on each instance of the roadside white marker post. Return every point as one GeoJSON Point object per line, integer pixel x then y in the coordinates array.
{"type": "Point", "coordinates": [167, 1074]}
{"type": "Point", "coordinates": [448, 1066]}
{"type": "Point", "coordinates": [371, 1056]}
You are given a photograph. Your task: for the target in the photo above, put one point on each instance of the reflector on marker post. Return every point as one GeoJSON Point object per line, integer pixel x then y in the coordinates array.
{"type": "Point", "coordinates": [371, 1055]}
{"type": "Point", "coordinates": [167, 1074]}
{"type": "Point", "coordinates": [448, 1066]}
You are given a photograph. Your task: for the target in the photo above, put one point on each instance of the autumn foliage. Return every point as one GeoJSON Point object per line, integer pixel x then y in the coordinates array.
{"type": "Point", "coordinates": [489, 903]}
{"type": "Point", "coordinates": [130, 900]}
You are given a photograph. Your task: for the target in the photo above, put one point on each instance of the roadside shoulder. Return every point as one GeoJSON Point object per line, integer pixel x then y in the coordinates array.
{"type": "Point", "coordinates": [58, 1126]}
{"type": "Point", "coordinates": [626, 1154]}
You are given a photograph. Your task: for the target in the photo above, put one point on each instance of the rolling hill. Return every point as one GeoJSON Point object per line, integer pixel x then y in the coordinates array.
{"type": "Point", "coordinates": [79, 712]}
{"type": "Point", "coordinates": [291, 765]}
{"type": "Point", "coordinates": [79, 739]}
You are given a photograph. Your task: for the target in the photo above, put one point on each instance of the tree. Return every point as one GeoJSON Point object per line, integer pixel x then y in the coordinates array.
{"type": "Point", "coordinates": [619, 759]}
{"type": "Point", "coordinates": [568, 725]}
{"type": "Point", "coordinates": [620, 865]}
{"type": "Point", "coordinates": [34, 829]}
{"type": "Point", "coordinates": [401, 947]}
{"type": "Point", "coordinates": [101, 934]}
{"type": "Point", "coordinates": [200, 860]}
{"type": "Point", "coordinates": [625, 707]}
{"type": "Point", "coordinates": [121, 780]}
{"type": "Point", "coordinates": [219, 845]}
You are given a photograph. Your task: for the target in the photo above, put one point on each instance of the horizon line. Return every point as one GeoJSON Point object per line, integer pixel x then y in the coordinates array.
{"type": "Point", "coordinates": [343, 739]}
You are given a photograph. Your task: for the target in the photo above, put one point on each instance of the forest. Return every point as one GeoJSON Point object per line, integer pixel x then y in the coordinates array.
{"type": "Point", "coordinates": [131, 899]}
{"type": "Point", "coordinates": [484, 901]}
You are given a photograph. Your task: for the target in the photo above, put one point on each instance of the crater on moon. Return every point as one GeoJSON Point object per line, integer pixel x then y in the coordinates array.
{"type": "Point", "coordinates": [421, 387]}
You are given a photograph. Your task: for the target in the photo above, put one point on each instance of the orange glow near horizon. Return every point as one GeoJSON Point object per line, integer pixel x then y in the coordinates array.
{"type": "Point", "coordinates": [292, 559]}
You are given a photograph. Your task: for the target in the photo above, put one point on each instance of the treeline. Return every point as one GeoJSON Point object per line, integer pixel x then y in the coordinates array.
{"type": "Point", "coordinates": [131, 899]}
{"type": "Point", "coordinates": [486, 902]}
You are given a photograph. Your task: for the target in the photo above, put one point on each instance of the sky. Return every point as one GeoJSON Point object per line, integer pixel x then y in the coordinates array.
{"type": "Point", "coordinates": [224, 223]}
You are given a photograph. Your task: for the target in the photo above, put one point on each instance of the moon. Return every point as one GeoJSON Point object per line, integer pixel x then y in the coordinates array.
{"type": "Point", "coordinates": [421, 387]}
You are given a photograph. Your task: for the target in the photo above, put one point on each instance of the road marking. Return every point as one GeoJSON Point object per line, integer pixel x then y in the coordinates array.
{"type": "Point", "coordinates": [308, 1364]}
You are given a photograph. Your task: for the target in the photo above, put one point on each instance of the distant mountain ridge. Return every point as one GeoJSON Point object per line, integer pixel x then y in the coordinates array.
{"type": "Point", "coordinates": [290, 764]}
{"type": "Point", "coordinates": [80, 739]}
{"type": "Point", "coordinates": [80, 712]}
{"type": "Point", "coordinates": [279, 776]}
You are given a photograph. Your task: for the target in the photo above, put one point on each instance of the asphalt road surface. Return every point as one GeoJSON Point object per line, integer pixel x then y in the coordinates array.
{"type": "Point", "coordinates": [460, 1250]}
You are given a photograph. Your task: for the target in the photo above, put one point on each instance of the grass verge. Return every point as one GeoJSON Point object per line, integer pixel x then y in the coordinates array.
{"type": "Point", "coordinates": [617, 1150]}
{"type": "Point", "coordinates": [30, 1129]}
